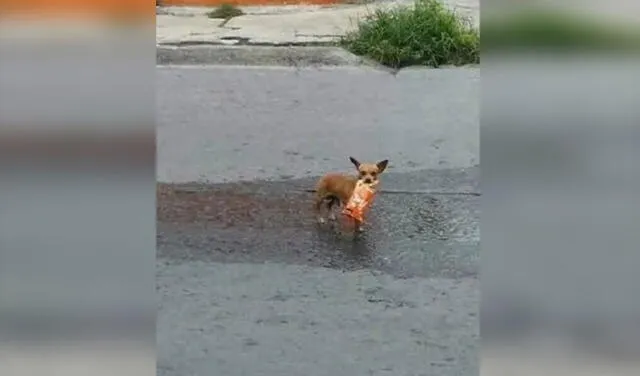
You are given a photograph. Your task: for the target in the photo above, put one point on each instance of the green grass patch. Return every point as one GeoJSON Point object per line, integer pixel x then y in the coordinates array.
{"type": "Point", "coordinates": [426, 34]}
{"type": "Point", "coordinates": [226, 12]}
{"type": "Point", "coordinates": [551, 29]}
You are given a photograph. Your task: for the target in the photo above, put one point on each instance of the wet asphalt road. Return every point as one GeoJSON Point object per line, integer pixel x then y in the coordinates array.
{"type": "Point", "coordinates": [250, 285]}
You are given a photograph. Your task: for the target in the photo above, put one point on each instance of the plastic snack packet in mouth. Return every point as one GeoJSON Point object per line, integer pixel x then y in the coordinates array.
{"type": "Point", "coordinates": [360, 201]}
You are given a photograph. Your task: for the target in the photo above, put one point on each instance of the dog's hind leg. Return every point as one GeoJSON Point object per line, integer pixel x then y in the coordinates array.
{"type": "Point", "coordinates": [331, 202]}
{"type": "Point", "coordinates": [317, 208]}
{"type": "Point", "coordinates": [318, 205]}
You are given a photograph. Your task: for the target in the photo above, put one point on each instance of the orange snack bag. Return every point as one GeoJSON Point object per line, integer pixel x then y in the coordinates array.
{"type": "Point", "coordinates": [360, 201]}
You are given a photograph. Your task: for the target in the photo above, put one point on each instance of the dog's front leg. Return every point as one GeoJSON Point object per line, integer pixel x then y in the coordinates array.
{"type": "Point", "coordinates": [357, 226]}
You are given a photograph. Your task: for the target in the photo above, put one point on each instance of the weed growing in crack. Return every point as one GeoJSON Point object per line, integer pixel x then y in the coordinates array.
{"type": "Point", "coordinates": [225, 11]}
{"type": "Point", "coordinates": [426, 33]}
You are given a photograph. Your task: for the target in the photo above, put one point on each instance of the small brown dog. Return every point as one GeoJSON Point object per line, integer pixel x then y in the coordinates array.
{"type": "Point", "coordinates": [336, 188]}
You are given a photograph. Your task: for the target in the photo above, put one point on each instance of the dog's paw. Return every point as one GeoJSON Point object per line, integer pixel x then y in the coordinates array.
{"type": "Point", "coordinates": [321, 220]}
{"type": "Point", "coordinates": [332, 217]}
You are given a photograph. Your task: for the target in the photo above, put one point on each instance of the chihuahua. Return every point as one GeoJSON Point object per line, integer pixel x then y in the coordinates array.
{"type": "Point", "coordinates": [336, 188]}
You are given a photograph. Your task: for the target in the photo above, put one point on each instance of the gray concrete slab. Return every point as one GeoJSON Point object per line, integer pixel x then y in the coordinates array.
{"type": "Point", "coordinates": [279, 25]}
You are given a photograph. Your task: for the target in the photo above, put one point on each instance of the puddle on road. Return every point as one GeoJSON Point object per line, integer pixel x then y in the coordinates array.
{"type": "Point", "coordinates": [230, 206]}
{"type": "Point", "coordinates": [407, 235]}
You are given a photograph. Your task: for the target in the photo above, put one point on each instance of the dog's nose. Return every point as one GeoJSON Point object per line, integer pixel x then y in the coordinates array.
{"type": "Point", "coordinates": [367, 180]}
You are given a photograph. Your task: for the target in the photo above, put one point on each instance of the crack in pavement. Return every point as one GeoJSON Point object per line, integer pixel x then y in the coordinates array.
{"type": "Point", "coordinates": [244, 41]}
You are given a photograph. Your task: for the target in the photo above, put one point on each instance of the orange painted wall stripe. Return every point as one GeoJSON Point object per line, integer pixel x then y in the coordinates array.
{"type": "Point", "coordinates": [130, 8]}
{"type": "Point", "coordinates": [84, 8]}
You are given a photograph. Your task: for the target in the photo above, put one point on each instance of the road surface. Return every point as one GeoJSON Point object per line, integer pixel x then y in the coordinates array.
{"type": "Point", "coordinates": [250, 285]}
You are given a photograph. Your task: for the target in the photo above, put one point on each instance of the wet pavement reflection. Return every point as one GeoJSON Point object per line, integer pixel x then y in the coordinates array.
{"type": "Point", "coordinates": [410, 231]}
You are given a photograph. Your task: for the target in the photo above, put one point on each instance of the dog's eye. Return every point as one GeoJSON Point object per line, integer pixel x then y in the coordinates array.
{"type": "Point", "coordinates": [374, 174]}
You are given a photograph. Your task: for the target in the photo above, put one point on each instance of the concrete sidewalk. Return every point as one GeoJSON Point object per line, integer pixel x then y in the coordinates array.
{"type": "Point", "coordinates": [277, 25]}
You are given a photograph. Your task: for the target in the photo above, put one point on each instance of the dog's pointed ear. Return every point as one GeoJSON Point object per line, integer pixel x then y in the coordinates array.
{"type": "Point", "coordinates": [382, 165]}
{"type": "Point", "coordinates": [355, 162]}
